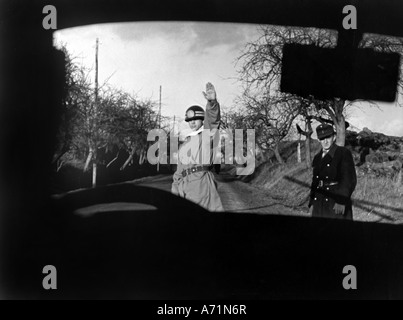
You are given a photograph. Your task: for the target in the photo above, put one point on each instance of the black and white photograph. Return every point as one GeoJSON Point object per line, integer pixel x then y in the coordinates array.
{"type": "Point", "coordinates": [201, 151]}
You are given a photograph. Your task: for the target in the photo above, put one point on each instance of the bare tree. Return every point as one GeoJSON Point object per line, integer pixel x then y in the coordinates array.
{"type": "Point", "coordinates": [119, 119]}
{"type": "Point", "coordinates": [125, 121]}
{"type": "Point", "coordinates": [271, 117]}
{"type": "Point", "coordinates": [307, 132]}
{"type": "Point", "coordinates": [261, 63]}
{"type": "Point", "coordinates": [77, 95]}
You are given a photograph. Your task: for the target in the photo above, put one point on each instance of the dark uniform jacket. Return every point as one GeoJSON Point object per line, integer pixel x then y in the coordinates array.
{"type": "Point", "coordinates": [334, 180]}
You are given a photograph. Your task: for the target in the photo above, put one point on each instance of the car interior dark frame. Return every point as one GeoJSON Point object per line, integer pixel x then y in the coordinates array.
{"type": "Point", "coordinates": [180, 251]}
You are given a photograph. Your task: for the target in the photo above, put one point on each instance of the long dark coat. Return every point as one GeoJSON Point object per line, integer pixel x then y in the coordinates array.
{"type": "Point", "coordinates": [336, 166]}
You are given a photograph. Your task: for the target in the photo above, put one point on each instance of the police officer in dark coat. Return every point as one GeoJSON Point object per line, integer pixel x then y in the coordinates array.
{"type": "Point", "coordinates": [334, 178]}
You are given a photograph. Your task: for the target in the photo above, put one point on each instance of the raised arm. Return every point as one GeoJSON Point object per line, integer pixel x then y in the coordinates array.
{"type": "Point", "coordinates": [213, 115]}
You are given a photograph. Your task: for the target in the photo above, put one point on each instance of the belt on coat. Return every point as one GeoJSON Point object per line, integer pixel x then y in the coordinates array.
{"type": "Point", "coordinates": [195, 169]}
{"type": "Point", "coordinates": [326, 183]}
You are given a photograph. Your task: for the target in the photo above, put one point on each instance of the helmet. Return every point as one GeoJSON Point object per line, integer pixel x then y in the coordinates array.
{"type": "Point", "coordinates": [193, 113]}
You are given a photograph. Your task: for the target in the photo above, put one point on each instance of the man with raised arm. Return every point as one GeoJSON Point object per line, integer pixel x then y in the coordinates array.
{"type": "Point", "coordinates": [193, 179]}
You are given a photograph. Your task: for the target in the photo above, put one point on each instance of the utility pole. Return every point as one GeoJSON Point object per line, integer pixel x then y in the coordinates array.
{"type": "Point", "coordinates": [172, 141]}
{"type": "Point", "coordinates": [160, 108]}
{"type": "Point", "coordinates": [94, 162]}
{"type": "Point", "coordinates": [159, 124]}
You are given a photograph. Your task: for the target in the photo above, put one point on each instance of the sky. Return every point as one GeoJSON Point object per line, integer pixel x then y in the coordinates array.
{"type": "Point", "coordinates": [181, 57]}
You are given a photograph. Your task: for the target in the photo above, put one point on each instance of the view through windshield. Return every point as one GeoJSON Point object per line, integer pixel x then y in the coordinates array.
{"type": "Point", "coordinates": [195, 109]}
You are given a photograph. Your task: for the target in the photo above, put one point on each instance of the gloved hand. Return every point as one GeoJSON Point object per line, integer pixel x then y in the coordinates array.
{"type": "Point", "coordinates": [339, 208]}
{"type": "Point", "coordinates": [174, 190]}
{"type": "Point", "coordinates": [210, 93]}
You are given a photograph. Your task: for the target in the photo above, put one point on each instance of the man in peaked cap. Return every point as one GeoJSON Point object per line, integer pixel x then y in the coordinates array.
{"type": "Point", "coordinates": [193, 179]}
{"type": "Point", "coordinates": [334, 178]}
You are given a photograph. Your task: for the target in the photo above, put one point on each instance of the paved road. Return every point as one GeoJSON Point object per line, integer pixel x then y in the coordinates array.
{"type": "Point", "coordinates": [238, 196]}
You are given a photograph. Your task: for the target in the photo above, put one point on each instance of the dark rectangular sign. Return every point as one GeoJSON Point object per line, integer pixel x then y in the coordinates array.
{"type": "Point", "coordinates": [327, 73]}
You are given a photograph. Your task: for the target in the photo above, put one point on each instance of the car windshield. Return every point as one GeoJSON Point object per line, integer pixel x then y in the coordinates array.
{"type": "Point", "coordinates": [134, 94]}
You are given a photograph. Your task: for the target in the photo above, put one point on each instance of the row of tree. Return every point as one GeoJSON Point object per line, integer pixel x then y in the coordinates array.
{"type": "Point", "coordinates": [94, 122]}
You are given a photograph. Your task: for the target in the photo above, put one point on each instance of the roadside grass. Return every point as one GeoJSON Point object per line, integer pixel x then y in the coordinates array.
{"type": "Point", "coordinates": [288, 182]}
{"type": "Point", "coordinates": [378, 199]}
